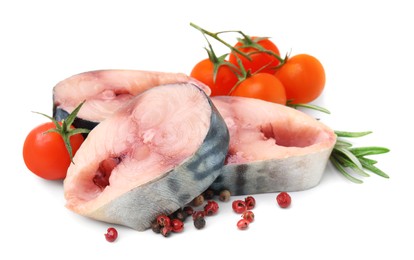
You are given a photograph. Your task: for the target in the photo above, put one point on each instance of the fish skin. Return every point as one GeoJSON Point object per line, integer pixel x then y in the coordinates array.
{"type": "Point", "coordinates": [290, 174]}
{"type": "Point", "coordinates": [138, 207]}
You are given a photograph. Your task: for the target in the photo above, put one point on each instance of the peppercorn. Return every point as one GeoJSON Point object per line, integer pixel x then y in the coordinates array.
{"type": "Point", "coordinates": [242, 224]}
{"type": "Point", "coordinates": [188, 210]}
{"type": "Point", "coordinates": [163, 220]}
{"type": "Point", "coordinates": [224, 195]}
{"type": "Point", "coordinates": [208, 194]}
{"type": "Point", "coordinates": [211, 208]}
{"type": "Point", "coordinates": [283, 199]}
{"type": "Point", "coordinates": [199, 223]}
{"type": "Point", "coordinates": [156, 227]}
{"type": "Point", "coordinates": [166, 230]}
{"type": "Point", "coordinates": [177, 225]}
{"type": "Point", "coordinates": [198, 201]}
{"type": "Point", "coordinates": [250, 202]}
{"type": "Point", "coordinates": [239, 206]}
{"type": "Point", "coordinates": [111, 234]}
{"type": "Point", "coordinates": [180, 214]}
{"type": "Point", "coordinates": [198, 214]}
{"type": "Point", "coordinates": [248, 215]}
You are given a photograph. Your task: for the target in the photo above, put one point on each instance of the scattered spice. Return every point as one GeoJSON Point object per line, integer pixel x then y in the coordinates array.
{"type": "Point", "coordinates": [177, 225]}
{"type": "Point", "coordinates": [242, 224]}
{"type": "Point", "coordinates": [211, 208]}
{"type": "Point", "coordinates": [111, 234]}
{"type": "Point", "coordinates": [239, 206]}
{"type": "Point", "coordinates": [188, 210]}
{"type": "Point", "coordinates": [180, 214]}
{"type": "Point", "coordinates": [283, 199]}
{"type": "Point", "coordinates": [250, 202]}
{"type": "Point", "coordinates": [198, 214]}
{"type": "Point", "coordinates": [198, 201]}
{"type": "Point", "coordinates": [199, 223]}
{"type": "Point", "coordinates": [166, 231]}
{"type": "Point", "coordinates": [163, 220]}
{"type": "Point", "coordinates": [248, 215]}
{"type": "Point", "coordinates": [208, 194]}
{"type": "Point", "coordinates": [224, 195]}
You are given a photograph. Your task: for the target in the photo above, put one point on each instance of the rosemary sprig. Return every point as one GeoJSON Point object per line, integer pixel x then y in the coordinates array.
{"type": "Point", "coordinates": [309, 106]}
{"type": "Point", "coordinates": [348, 159]}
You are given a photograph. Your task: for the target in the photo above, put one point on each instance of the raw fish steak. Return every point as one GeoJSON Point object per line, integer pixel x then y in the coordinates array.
{"type": "Point", "coordinates": [272, 147]}
{"type": "Point", "coordinates": [155, 154]}
{"type": "Point", "coordinates": [104, 91]}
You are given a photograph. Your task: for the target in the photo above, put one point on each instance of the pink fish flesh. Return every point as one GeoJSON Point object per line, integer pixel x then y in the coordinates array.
{"type": "Point", "coordinates": [104, 91]}
{"type": "Point", "coordinates": [153, 155]}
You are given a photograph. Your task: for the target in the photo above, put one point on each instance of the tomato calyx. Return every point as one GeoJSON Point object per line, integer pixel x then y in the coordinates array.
{"type": "Point", "coordinates": [217, 37]}
{"type": "Point", "coordinates": [219, 61]}
{"type": "Point", "coordinates": [253, 42]}
{"type": "Point", "coordinates": [63, 128]}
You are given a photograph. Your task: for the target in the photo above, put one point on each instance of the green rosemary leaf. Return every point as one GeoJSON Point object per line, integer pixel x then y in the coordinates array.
{"type": "Point", "coordinates": [350, 156]}
{"type": "Point", "coordinates": [359, 171]}
{"type": "Point", "coordinates": [351, 134]}
{"type": "Point", "coordinates": [344, 172]}
{"type": "Point", "coordinates": [373, 169]}
{"type": "Point", "coordinates": [368, 160]}
{"type": "Point", "coordinates": [345, 162]}
{"type": "Point", "coordinates": [370, 150]}
{"type": "Point", "coordinates": [309, 106]}
{"type": "Point", "coordinates": [342, 143]}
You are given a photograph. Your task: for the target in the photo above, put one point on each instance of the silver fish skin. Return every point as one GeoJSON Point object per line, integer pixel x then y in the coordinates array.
{"type": "Point", "coordinates": [295, 173]}
{"type": "Point", "coordinates": [138, 206]}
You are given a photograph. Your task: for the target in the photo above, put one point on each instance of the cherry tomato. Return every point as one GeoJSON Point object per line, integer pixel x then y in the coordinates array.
{"type": "Point", "coordinates": [45, 154]}
{"type": "Point", "coordinates": [225, 78]}
{"type": "Point", "coordinates": [303, 77]}
{"type": "Point", "coordinates": [259, 60]}
{"type": "Point", "coordinates": [262, 86]}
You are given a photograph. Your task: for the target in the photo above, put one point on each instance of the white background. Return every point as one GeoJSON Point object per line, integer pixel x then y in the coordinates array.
{"type": "Point", "coordinates": [366, 48]}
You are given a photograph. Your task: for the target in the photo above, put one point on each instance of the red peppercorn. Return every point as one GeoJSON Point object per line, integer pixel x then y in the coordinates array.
{"type": "Point", "coordinates": [239, 206]}
{"type": "Point", "coordinates": [198, 214]}
{"type": "Point", "coordinates": [242, 224]}
{"type": "Point", "coordinates": [111, 234]}
{"type": "Point", "coordinates": [250, 202]}
{"type": "Point", "coordinates": [283, 199]}
{"type": "Point", "coordinates": [163, 220]}
{"type": "Point", "coordinates": [211, 208]}
{"type": "Point", "coordinates": [248, 215]}
{"type": "Point", "coordinates": [177, 225]}
{"type": "Point", "coordinates": [166, 230]}
{"type": "Point", "coordinates": [189, 210]}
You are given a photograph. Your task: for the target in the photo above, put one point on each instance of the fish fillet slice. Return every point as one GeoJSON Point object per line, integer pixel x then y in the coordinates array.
{"type": "Point", "coordinates": [272, 147]}
{"type": "Point", "coordinates": [153, 155]}
{"type": "Point", "coordinates": [104, 91]}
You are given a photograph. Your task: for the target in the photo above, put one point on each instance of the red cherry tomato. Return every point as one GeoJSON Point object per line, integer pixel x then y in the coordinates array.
{"type": "Point", "coordinates": [303, 77]}
{"type": "Point", "coordinates": [260, 60]}
{"type": "Point", "coordinates": [225, 80]}
{"type": "Point", "coordinates": [262, 86]}
{"type": "Point", "coordinates": [45, 154]}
